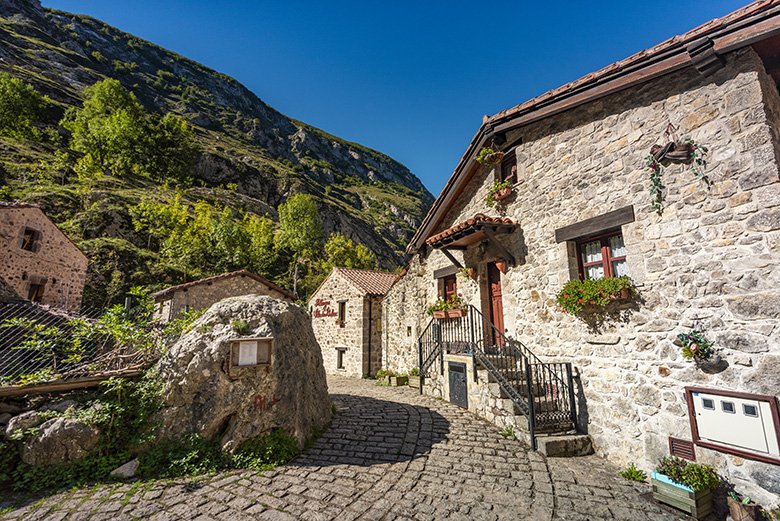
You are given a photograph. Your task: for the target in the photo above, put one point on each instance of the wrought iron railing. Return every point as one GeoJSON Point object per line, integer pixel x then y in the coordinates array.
{"type": "Point", "coordinates": [543, 392]}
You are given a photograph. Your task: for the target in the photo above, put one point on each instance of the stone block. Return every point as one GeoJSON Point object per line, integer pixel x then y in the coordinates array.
{"type": "Point", "coordinates": [565, 446]}
{"type": "Point", "coordinates": [765, 221]}
{"type": "Point", "coordinates": [755, 305]}
{"type": "Point", "coordinates": [758, 177]}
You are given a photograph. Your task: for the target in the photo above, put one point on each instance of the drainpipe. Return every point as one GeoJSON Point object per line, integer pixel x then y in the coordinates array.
{"type": "Point", "coordinates": [370, 333]}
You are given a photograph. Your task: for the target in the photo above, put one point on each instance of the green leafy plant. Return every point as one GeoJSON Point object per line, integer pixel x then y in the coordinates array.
{"type": "Point", "coordinates": [414, 371]}
{"type": "Point", "coordinates": [696, 157]}
{"type": "Point", "coordinates": [454, 302]}
{"type": "Point", "coordinates": [632, 473]}
{"type": "Point", "coordinates": [240, 326]}
{"type": "Point", "coordinates": [577, 294]}
{"type": "Point", "coordinates": [483, 155]}
{"type": "Point", "coordinates": [494, 189]}
{"type": "Point", "coordinates": [508, 432]}
{"type": "Point", "coordinates": [695, 345]}
{"type": "Point", "coordinates": [693, 475]}
{"type": "Point", "coordinates": [745, 500]}
{"type": "Point", "coordinates": [266, 452]}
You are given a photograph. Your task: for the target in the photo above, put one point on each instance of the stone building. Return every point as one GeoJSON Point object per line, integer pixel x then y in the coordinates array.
{"type": "Point", "coordinates": [38, 261]}
{"type": "Point", "coordinates": [577, 162]}
{"type": "Point", "coordinates": [346, 313]}
{"type": "Point", "coordinates": [201, 294]}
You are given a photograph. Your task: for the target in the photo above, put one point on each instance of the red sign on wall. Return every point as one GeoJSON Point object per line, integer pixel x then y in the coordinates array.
{"type": "Point", "coordinates": [322, 309]}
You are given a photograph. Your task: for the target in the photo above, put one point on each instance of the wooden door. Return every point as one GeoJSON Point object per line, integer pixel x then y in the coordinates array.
{"type": "Point", "coordinates": [495, 301]}
{"type": "Point", "coordinates": [458, 384]}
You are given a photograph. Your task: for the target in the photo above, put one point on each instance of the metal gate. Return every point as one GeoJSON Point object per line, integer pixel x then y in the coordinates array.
{"type": "Point", "coordinates": [458, 386]}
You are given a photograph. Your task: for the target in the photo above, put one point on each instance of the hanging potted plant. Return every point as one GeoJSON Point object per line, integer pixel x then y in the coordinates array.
{"type": "Point", "coordinates": [489, 156]}
{"type": "Point", "coordinates": [684, 485]}
{"type": "Point", "coordinates": [499, 191]}
{"type": "Point", "coordinates": [742, 508]}
{"type": "Point", "coordinates": [697, 347]}
{"type": "Point", "coordinates": [468, 272]}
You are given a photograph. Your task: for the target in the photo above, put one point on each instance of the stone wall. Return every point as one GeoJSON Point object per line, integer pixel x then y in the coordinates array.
{"type": "Point", "coordinates": [55, 261]}
{"type": "Point", "coordinates": [202, 296]}
{"type": "Point", "coordinates": [349, 336]}
{"type": "Point", "coordinates": [711, 259]}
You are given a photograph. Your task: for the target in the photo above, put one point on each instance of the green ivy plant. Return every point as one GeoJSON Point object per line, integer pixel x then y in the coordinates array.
{"type": "Point", "coordinates": [696, 158]}
{"type": "Point", "coordinates": [577, 295]}
{"type": "Point", "coordinates": [494, 189]}
{"type": "Point", "coordinates": [693, 475]}
{"type": "Point", "coordinates": [695, 345]}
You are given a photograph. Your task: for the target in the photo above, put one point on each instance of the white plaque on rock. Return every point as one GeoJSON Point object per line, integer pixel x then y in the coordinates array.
{"type": "Point", "coordinates": [247, 352]}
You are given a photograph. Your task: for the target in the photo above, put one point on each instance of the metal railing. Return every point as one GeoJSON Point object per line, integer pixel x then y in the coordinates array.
{"type": "Point", "coordinates": [543, 392]}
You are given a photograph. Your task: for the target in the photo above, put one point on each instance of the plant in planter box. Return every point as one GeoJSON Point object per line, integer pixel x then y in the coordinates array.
{"type": "Point", "coordinates": [453, 307]}
{"type": "Point", "coordinates": [490, 156]}
{"type": "Point", "coordinates": [742, 508]}
{"type": "Point", "coordinates": [499, 191]}
{"type": "Point", "coordinates": [383, 376]}
{"type": "Point", "coordinates": [414, 377]}
{"type": "Point", "coordinates": [580, 295]}
{"type": "Point", "coordinates": [685, 485]}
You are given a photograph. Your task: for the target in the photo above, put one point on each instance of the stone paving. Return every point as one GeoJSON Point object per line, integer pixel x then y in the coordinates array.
{"type": "Point", "coordinates": [390, 454]}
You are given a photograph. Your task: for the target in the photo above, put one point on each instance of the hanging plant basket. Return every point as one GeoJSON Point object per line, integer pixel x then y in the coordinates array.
{"type": "Point", "coordinates": [490, 156]}
{"type": "Point", "coordinates": [502, 194]}
{"type": "Point", "coordinates": [712, 365]}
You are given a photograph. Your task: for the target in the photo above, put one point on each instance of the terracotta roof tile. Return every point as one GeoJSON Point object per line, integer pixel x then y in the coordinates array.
{"type": "Point", "coordinates": [476, 222]}
{"type": "Point", "coordinates": [372, 282]}
{"type": "Point", "coordinates": [240, 273]}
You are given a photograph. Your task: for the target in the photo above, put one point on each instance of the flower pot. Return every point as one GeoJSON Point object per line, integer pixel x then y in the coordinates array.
{"type": "Point", "coordinates": [712, 365]}
{"type": "Point", "coordinates": [680, 153]}
{"type": "Point", "coordinates": [414, 381]}
{"type": "Point", "coordinates": [456, 313]}
{"type": "Point", "coordinates": [743, 512]}
{"type": "Point", "coordinates": [502, 194]}
{"type": "Point", "coordinates": [697, 504]}
{"type": "Point", "coordinates": [398, 381]}
{"type": "Point", "coordinates": [495, 158]}
{"type": "Point", "coordinates": [439, 314]}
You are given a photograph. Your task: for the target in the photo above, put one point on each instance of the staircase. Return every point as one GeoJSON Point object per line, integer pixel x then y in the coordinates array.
{"type": "Point", "coordinates": [541, 394]}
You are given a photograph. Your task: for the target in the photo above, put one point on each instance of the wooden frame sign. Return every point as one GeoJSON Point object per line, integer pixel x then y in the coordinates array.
{"type": "Point", "coordinates": [251, 352]}
{"type": "Point", "coordinates": [743, 424]}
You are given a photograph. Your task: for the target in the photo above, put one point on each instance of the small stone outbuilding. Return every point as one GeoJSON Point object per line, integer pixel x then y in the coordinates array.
{"type": "Point", "coordinates": [38, 261]}
{"type": "Point", "coordinates": [346, 313]}
{"type": "Point", "coordinates": [201, 294]}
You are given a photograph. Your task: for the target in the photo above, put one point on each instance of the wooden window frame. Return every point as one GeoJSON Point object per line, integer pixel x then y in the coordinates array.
{"type": "Point", "coordinates": [508, 167]}
{"type": "Point", "coordinates": [342, 313]}
{"type": "Point", "coordinates": [443, 294]}
{"type": "Point", "coordinates": [340, 351]}
{"type": "Point", "coordinates": [29, 239]}
{"type": "Point", "coordinates": [606, 253]}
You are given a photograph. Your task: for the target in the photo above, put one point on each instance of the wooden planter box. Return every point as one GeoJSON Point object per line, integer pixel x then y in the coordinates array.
{"type": "Point", "coordinates": [502, 194]}
{"type": "Point", "coordinates": [697, 504]}
{"type": "Point", "coordinates": [414, 381]}
{"type": "Point", "coordinates": [439, 315]}
{"type": "Point", "coordinates": [742, 512]}
{"type": "Point", "coordinates": [398, 381]}
{"type": "Point", "coordinates": [456, 313]}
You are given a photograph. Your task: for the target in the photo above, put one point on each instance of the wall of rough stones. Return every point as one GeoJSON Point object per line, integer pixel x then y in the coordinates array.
{"type": "Point", "coordinates": [56, 261]}
{"type": "Point", "coordinates": [351, 337]}
{"type": "Point", "coordinates": [711, 259]}
{"type": "Point", "coordinates": [202, 296]}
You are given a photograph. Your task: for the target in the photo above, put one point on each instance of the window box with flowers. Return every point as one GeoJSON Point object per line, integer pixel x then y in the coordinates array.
{"type": "Point", "coordinates": [580, 296]}
{"type": "Point", "coordinates": [453, 307]}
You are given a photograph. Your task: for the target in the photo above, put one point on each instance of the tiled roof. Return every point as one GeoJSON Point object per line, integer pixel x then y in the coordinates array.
{"type": "Point", "coordinates": [474, 224]}
{"type": "Point", "coordinates": [372, 282]}
{"type": "Point", "coordinates": [240, 273]}
{"type": "Point", "coordinates": [743, 27]}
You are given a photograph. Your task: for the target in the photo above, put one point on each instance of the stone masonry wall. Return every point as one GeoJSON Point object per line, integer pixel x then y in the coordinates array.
{"type": "Point", "coordinates": [711, 259]}
{"type": "Point", "coordinates": [55, 261]}
{"type": "Point", "coordinates": [202, 296]}
{"type": "Point", "coordinates": [331, 336]}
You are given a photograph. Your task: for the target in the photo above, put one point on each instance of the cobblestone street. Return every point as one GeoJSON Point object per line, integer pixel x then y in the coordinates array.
{"type": "Point", "coordinates": [390, 454]}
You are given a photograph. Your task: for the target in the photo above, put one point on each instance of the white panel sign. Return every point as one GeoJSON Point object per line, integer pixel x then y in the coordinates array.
{"type": "Point", "coordinates": [247, 352]}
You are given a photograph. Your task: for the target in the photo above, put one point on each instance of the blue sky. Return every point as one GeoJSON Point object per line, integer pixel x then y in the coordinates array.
{"type": "Point", "coordinates": [410, 79]}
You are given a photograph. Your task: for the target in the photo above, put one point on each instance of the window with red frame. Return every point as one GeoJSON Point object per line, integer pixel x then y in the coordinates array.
{"type": "Point", "coordinates": [602, 256]}
{"type": "Point", "coordinates": [449, 287]}
{"type": "Point", "coordinates": [509, 167]}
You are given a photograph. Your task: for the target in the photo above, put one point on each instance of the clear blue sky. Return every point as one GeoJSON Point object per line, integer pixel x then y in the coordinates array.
{"type": "Point", "coordinates": [410, 79]}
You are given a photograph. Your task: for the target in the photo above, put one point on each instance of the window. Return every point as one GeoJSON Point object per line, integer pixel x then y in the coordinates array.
{"type": "Point", "coordinates": [29, 239]}
{"type": "Point", "coordinates": [342, 313]}
{"type": "Point", "coordinates": [340, 357]}
{"type": "Point", "coordinates": [408, 330]}
{"type": "Point", "coordinates": [602, 256]}
{"type": "Point", "coordinates": [449, 287]}
{"type": "Point", "coordinates": [35, 293]}
{"type": "Point", "coordinates": [509, 167]}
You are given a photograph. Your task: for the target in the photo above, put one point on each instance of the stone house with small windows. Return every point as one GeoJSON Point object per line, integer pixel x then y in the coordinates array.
{"type": "Point", "coordinates": [346, 314]}
{"type": "Point", "coordinates": [37, 260]}
{"type": "Point", "coordinates": [201, 294]}
{"type": "Point", "coordinates": [579, 160]}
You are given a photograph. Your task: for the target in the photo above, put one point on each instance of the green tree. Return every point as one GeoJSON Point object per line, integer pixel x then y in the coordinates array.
{"type": "Point", "coordinates": [343, 252]}
{"type": "Point", "coordinates": [264, 256]}
{"type": "Point", "coordinates": [159, 220]}
{"type": "Point", "coordinates": [173, 149]}
{"type": "Point", "coordinates": [20, 107]}
{"type": "Point", "coordinates": [300, 231]}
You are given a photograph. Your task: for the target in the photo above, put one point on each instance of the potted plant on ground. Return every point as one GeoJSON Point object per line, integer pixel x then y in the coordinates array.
{"type": "Point", "coordinates": [685, 485]}
{"type": "Point", "coordinates": [489, 156]}
{"type": "Point", "coordinates": [414, 377]}
{"type": "Point", "coordinates": [499, 191]}
{"type": "Point", "coordinates": [398, 380]}
{"type": "Point", "coordinates": [580, 296]}
{"type": "Point", "coordinates": [742, 508]}
{"type": "Point", "coordinates": [697, 347]}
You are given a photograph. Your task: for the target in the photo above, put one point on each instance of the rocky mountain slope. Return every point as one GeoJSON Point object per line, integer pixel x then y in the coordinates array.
{"type": "Point", "coordinates": [262, 155]}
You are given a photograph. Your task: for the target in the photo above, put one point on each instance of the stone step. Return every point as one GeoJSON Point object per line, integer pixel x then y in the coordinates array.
{"type": "Point", "coordinates": [565, 446]}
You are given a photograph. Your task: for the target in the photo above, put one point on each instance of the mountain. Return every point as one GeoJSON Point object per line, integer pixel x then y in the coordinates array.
{"type": "Point", "coordinates": [261, 154]}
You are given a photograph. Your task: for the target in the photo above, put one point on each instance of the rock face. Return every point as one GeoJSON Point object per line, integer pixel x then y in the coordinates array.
{"type": "Point", "coordinates": [205, 393]}
{"type": "Point", "coordinates": [60, 440]}
{"type": "Point", "coordinates": [23, 421]}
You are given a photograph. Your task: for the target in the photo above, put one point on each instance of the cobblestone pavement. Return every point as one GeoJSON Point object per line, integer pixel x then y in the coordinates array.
{"type": "Point", "coordinates": [390, 454]}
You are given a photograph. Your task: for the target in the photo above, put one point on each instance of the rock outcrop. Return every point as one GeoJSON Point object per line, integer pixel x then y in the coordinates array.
{"type": "Point", "coordinates": [204, 393]}
{"type": "Point", "coordinates": [60, 440]}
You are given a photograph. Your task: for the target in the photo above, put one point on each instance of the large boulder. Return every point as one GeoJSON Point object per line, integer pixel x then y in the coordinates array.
{"type": "Point", "coordinates": [204, 393]}
{"type": "Point", "coordinates": [58, 441]}
{"type": "Point", "coordinates": [26, 420]}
